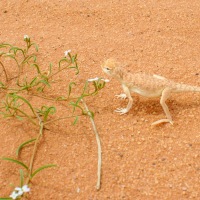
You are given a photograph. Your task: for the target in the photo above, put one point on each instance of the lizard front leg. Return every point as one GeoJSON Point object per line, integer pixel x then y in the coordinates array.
{"type": "Point", "coordinates": [121, 96]}
{"type": "Point", "coordinates": [130, 102]}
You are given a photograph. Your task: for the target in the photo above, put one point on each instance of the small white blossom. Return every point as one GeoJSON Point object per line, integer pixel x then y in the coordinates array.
{"type": "Point", "coordinates": [26, 37]}
{"type": "Point", "coordinates": [93, 79]}
{"type": "Point", "coordinates": [96, 79]}
{"type": "Point", "coordinates": [14, 195]}
{"type": "Point", "coordinates": [25, 188]}
{"type": "Point", "coordinates": [105, 80]}
{"type": "Point", "coordinates": [19, 191]}
{"type": "Point", "coordinates": [67, 52]}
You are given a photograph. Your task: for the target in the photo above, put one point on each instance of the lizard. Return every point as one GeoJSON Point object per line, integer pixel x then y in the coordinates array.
{"type": "Point", "coordinates": [146, 85]}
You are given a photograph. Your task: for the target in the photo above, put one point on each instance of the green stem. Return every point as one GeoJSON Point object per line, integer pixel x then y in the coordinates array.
{"type": "Point", "coordinates": [30, 118]}
{"type": "Point", "coordinates": [20, 69]}
{"type": "Point", "coordinates": [43, 97]}
{"type": "Point", "coordinates": [35, 149]}
{"type": "Point", "coordinates": [59, 71]}
{"type": "Point", "coordinates": [4, 69]}
{"type": "Point", "coordinates": [19, 73]}
{"type": "Point", "coordinates": [61, 118]}
{"type": "Point", "coordinates": [98, 186]}
{"type": "Point", "coordinates": [56, 73]}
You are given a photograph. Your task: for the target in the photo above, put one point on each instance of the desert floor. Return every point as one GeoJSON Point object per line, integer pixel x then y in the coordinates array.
{"type": "Point", "coordinates": [138, 161]}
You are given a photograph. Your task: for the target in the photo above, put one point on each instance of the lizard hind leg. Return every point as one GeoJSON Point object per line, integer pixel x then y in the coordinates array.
{"type": "Point", "coordinates": [165, 95]}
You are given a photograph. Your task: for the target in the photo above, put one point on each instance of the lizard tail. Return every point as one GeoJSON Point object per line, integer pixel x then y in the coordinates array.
{"type": "Point", "coordinates": [186, 88]}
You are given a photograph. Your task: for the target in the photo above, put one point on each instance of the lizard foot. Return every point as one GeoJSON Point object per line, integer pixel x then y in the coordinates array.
{"type": "Point", "coordinates": [162, 121]}
{"type": "Point", "coordinates": [121, 96]}
{"type": "Point", "coordinates": [121, 110]}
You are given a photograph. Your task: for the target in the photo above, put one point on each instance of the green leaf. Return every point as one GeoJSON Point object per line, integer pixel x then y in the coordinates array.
{"type": "Point", "coordinates": [85, 87]}
{"type": "Point", "coordinates": [50, 69]}
{"type": "Point", "coordinates": [23, 144]}
{"type": "Point", "coordinates": [2, 85]}
{"type": "Point", "coordinates": [15, 97]}
{"type": "Point", "coordinates": [69, 54]}
{"type": "Point", "coordinates": [45, 111]}
{"type": "Point", "coordinates": [18, 117]}
{"type": "Point", "coordinates": [75, 105]}
{"type": "Point", "coordinates": [70, 88]}
{"type": "Point", "coordinates": [21, 177]}
{"type": "Point", "coordinates": [37, 67]}
{"type": "Point", "coordinates": [63, 60]}
{"type": "Point", "coordinates": [36, 46]}
{"type": "Point", "coordinates": [5, 198]}
{"type": "Point", "coordinates": [76, 120]}
{"type": "Point", "coordinates": [45, 82]}
{"type": "Point", "coordinates": [74, 58]}
{"type": "Point", "coordinates": [49, 110]}
{"type": "Point", "coordinates": [41, 168]}
{"type": "Point", "coordinates": [10, 55]}
{"type": "Point", "coordinates": [61, 98]}
{"type": "Point", "coordinates": [16, 161]}
{"type": "Point", "coordinates": [33, 81]}
{"type": "Point", "coordinates": [95, 85]}
{"type": "Point", "coordinates": [34, 58]}
{"type": "Point", "coordinates": [16, 49]}
{"type": "Point", "coordinates": [40, 89]}
{"type": "Point", "coordinates": [75, 67]}
{"type": "Point", "coordinates": [29, 57]}
{"type": "Point", "coordinates": [5, 45]}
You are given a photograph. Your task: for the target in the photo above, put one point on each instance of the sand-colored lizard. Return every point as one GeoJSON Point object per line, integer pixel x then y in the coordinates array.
{"type": "Point", "coordinates": [145, 85]}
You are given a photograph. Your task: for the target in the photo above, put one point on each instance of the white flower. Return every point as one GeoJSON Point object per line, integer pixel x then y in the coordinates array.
{"type": "Point", "coordinates": [93, 79]}
{"type": "Point", "coordinates": [96, 79]}
{"type": "Point", "coordinates": [105, 80]}
{"type": "Point", "coordinates": [14, 195]}
{"type": "Point", "coordinates": [26, 37]}
{"type": "Point", "coordinates": [25, 188]}
{"type": "Point", "coordinates": [67, 52]}
{"type": "Point", "coordinates": [19, 191]}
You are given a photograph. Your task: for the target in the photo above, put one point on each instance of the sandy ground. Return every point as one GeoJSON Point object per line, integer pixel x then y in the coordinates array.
{"type": "Point", "coordinates": [139, 162]}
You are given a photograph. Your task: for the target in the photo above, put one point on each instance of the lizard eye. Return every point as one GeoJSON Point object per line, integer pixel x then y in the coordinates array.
{"type": "Point", "coordinates": [107, 68]}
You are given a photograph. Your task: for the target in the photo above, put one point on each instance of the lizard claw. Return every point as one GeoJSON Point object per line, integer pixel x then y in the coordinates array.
{"type": "Point", "coordinates": [121, 96]}
{"type": "Point", "coordinates": [121, 110]}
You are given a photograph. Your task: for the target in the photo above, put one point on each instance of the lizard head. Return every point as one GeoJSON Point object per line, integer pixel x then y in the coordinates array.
{"type": "Point", "coordinates": [109, 66]}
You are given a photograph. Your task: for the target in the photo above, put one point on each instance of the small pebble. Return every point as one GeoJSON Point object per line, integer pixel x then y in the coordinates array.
{"type": "Point", "coordinates": [78, 190]}
{"type": "Point", "coordinates": [184, 188]}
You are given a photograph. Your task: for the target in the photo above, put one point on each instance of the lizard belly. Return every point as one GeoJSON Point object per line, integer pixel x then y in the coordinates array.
{"type": "Point", "coordinates": [147, 93]}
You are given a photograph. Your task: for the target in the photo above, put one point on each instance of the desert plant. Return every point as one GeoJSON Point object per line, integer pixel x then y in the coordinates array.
{"type": "Point", "coordinates": [16, 102]}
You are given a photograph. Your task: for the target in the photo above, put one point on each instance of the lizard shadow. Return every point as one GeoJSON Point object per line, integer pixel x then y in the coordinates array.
{"type": "Point", "coordinates": [149, 106]}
